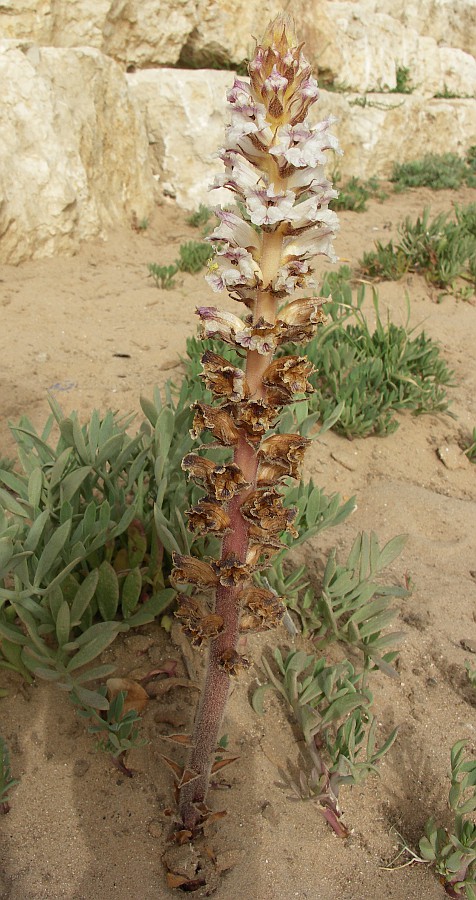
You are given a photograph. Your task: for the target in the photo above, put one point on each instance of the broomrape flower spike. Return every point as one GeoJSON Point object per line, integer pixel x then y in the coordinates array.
{"type": "Point", "coordinates": [274, 165]}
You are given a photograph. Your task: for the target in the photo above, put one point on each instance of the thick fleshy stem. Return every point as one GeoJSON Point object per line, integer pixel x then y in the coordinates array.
{"type": "Point", "coordinates": [227, 599]}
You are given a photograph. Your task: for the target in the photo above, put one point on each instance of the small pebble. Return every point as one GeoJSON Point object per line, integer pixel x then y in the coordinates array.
{"type": "Point", "coordinates": [453, 457]}
{"type": "Point", "coordinates": [80, 767]}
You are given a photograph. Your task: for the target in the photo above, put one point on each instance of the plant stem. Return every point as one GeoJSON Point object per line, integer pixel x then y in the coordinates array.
{"type": "Point", "coordinates": [227, 599]}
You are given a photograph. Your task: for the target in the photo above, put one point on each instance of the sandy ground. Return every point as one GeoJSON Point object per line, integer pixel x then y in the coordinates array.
{"type": "Point", "coordinates": [77, 828]}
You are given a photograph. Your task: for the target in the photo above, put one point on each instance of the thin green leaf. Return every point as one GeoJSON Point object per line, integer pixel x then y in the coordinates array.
{"type": "Point", "coordinates": [83, 596]}
{"type": "Point", "coordinates": [107, 591]}
{"type": "Point", "coordinates": [50, 555]}
{"type": "Point", "coordinates": [257, 700]}
{"type": "Point", "coordinates": [94, 646]}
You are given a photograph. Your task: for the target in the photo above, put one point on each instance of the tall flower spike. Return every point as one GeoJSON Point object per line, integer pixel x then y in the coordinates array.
{"type": "Point", "coordinates": [264, 249]}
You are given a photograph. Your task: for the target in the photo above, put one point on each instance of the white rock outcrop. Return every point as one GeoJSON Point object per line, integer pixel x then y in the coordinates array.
{"type": "Point", "coordinates": [140, 33]}
{"type": "Point", "coordinates": [223, 33]}
{"type": "Point", "coordinates": [73, 150]}
{"type": "Point", "coordinates": [361, 49]}
{"type": "Point", "coordinates": [452, 23]}
{"type": "Point", "coordinates": [146, 32]}
{"type": "Point", "coordinates": [186, 113]}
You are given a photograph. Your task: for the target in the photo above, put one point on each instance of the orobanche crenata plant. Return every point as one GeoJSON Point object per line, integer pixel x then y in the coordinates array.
{"type": "Point", "coordinates": [274, 164]}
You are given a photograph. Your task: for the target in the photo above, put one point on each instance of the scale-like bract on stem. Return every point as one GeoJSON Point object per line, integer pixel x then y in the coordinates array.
{"type": "Point", "coordinates": [274, 165]}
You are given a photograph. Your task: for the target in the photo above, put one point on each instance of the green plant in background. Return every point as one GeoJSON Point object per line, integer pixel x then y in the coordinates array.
{"type": "Point", "coordinates": [453, 850]}
{"type": "Point", "coordinates": [331, 704]}
{"type": "Point", "coordinates": [354, 194]}
{"type": "Point", "coordinates": [471, 673]}
{"type": "Point", "coordinates": [163, 275]}
{"type": "Point", "coordinates": [7, 782]}
{"type": "Point", "coordinates": [117, 731]}
{"type": "Point", "coordinates": [441, 250]}
{"type": "Point", "coordinates": [448, 94]}
{"type": "Point", "coordinates": [351, 606]}
{"type": "Point", "coordinates": [470, 450]}
{"type": "Point", "coordinates": [403, 81]}
{"type": "Point", "coordinates": [200, 218]}
{"type": "Point", "coordinates": [436, 171]}
{"type": "Point", "coordinates": [81, 559]}
{"type": "Point", "coordinates": [193, 256]}
{"type": "Point", "coordinates": [373, 374]}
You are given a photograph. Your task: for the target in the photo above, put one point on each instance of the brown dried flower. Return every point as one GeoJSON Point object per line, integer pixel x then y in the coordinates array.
{"type": "Point", "coordinates": [233, 662]}
{"type": "Point", "coordinates": [223, 379]}
{"type": "Point", "coordinates": [208, 517]}
{"type": "Point", "coordinates": [189, 570]}
{"type": "Point", "coordinates": [260, 553]}
{"type": "Point", "coordinates": [197, 622]}
{"type": "Point", "coordinates": [217, 420]}
{"type": "Point", "coordinates": [263, 609]}
{"type": "Point", "coordinates": [255, 417]}
{"type": "Point", "coordinates": [299, 319]}
{"type": "Point", "coordinates": [281, 454]}
{"type": "Point", "coordinates": [286, 377]}
{"type": "Point", "coordinates": [266, 509]}
{"type": "Point", "coordinates": [222, 481]}
{"type": "Point", "coordinates": [230, 571]}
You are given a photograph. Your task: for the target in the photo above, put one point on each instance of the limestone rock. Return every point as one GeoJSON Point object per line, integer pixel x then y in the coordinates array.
{"type": "Point", "coordinates": [186, 113]}
{"type": "Point", "coordinates": [222, 36]}
{"type": "Point", "coordinates": [450, 22]}
{"type": "Point", "coordinates": [388, 129]}
{"type": "Point", "coordinates": [359, 48]}
{"type": "Point", "coordinates": [77, 23]}
{"type": "Point", "coordinates": [147, 32]}
{"type": "Point", "coordinates": [26, 19]}
{"type": "Point", "coordinates": [73, 155]}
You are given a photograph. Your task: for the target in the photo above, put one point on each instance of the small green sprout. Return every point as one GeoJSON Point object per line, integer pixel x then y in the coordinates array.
{"type": "Point", "coordinates": [454, 851]}
{"type": "Point", "coordinates": [7, 783]}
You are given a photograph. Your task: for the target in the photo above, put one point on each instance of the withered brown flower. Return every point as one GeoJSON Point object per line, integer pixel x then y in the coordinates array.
{"type": "Point", "coordinates": [299, 319]}
{"type": "Point", "coordinates": [222, 378]}
{"type": "Point", "coordinates": [233, 662]}
{"type": "Point", "coordinates": [255, 417]}
{"type": "Point", "coordinates": [230, 571]}
{"type": "Point", "coordinates": [223, 481]}
{"type": "Point", "coordinates": [189, 570]}
{"type": "Point", "coordinates": [262, 609]}
{"type": "Point", "coordinates": [197, 622]}
{"type": "Point", "coordinates": [227, 481]}
{"type": "Point", "coordinates": [281, 454]}
{"type": "Point", "coordinates": [217, 421]}
{"type": "Point", "coordinates": [266, 509]}
{"type": "Point", "coordinates": [260, 553]}
{"type": "Point", "coordinates": [208, 517]}
{"type": "Point", "coordinates": [286, 377]}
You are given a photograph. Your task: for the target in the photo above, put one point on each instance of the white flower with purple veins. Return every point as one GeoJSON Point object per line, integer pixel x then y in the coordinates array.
{"type": "Point", "coordinates": [313, 210]}
{"type": "Point", "coordinates": [312, 242]}
{"type": "Point", "coordinates": [219, 323]}
{"type": "Point", "coordinates": [232, 268]}
{"type": "Point", "coordinates": [240, 96]}
{"type": "Point", "coordinates": [234, 230]}
{"type": "Point", "coordinates": [267, 206]}
{"type": "Point", "coordinates": [275, 84]}
{"type": "Point", "coordinates": [240, 174]}
{"type": "Point", "coordinates": [300, 146]}
{"type": "Point", "coordinates": [295, 274]}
